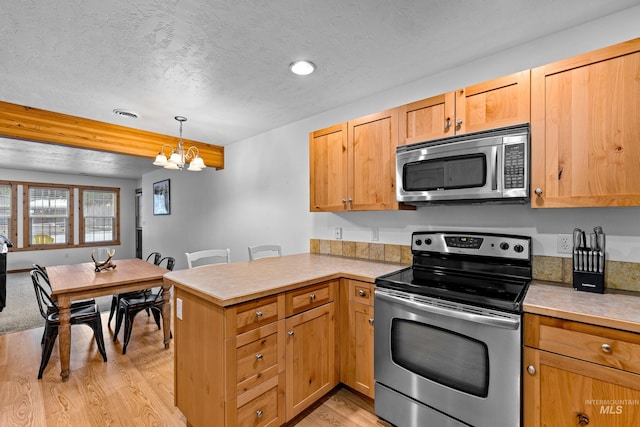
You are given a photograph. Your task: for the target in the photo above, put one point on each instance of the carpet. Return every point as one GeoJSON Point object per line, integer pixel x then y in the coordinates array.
{"type": "Point", "coordinates": [22, 311]}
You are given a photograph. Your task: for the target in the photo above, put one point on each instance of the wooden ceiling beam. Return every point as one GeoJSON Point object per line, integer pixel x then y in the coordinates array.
{"type": "Point", "coordinates": [32, 124]}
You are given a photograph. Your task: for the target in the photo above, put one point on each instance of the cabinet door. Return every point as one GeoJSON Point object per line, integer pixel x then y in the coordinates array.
{"type": "Point", "coordinates": [563, 391]}
{"type": "Point", "coordinates": [372, 161]}
{"type": "Point", "coordinates": [585, 129]}
{"type": "Point", "coordinates": [427, 119]}
{"type": "Point", "coordinates": [357, 349]}
{"type": "Point", "coordinates": [328, 169]}
{"type": "Point", "coordinates": [494, 104]}
{"type": "Point", "coordinates": [310, 357]}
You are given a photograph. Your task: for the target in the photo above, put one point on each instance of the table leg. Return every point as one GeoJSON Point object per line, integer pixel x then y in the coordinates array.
{"type": "Point", "coordinates": [166, 313]}
{"type": "Point", "coordinates": [64, 335]}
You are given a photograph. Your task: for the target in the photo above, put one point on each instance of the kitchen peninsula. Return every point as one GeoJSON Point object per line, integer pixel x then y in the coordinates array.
{"type": "Point", "coordinates": [239, 327]}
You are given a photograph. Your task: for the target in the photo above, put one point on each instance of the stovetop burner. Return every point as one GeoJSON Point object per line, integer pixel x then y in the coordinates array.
{"type": "Point", "coordinates": [489, 270]}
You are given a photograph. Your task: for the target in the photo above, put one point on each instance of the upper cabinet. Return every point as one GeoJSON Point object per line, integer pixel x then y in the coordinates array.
{"type": "Point", "coordinates": [585, 129]}
{"type": "Point", "coordinates": [352, 165]}
{"type": "Point", "coordinates": [493, 104]}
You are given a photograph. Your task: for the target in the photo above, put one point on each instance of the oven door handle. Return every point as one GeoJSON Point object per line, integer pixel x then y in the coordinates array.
{"type": "Point", "coordinates": [414, 301]}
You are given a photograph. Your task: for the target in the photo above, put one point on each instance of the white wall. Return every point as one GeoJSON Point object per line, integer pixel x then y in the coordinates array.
{"type": "Point", "coordinates": [18, 260]}
{"type": "Point", "coordinates": [262, 195]}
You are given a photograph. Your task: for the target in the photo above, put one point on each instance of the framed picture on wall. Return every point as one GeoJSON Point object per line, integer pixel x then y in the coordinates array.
{"type": "Point", "coordinates": [161, 198]}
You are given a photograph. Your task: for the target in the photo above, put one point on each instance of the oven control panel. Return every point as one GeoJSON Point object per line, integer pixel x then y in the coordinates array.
{"type": "Point", "coordinates": [468, 243]}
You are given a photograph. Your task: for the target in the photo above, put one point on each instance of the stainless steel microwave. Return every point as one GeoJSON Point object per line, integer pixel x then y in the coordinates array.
{"type": "Point", "coordinates": [481, 167]}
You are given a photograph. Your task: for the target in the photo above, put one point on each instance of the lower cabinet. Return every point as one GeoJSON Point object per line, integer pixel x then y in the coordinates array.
{"type": "Point", "coordinates": [356, 337]}
{"type": "Point", "coordinates": [310, 357]}
{"type": "Point", "coordinates": [579, 374]}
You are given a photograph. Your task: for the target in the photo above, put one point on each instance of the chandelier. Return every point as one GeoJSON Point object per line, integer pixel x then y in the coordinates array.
{"type": "Point", "coordinates": [179, 156]}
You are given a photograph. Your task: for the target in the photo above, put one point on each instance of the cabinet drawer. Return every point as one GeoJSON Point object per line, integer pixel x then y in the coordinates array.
{"type": "Point", "coordinates": [312, 296]}
{"type": "Point", "coordinates": [605, 346]}
{"type": "Point", "coordinates": [262, 410]}
{"type": "Point", "coordinates": [256, 357]}
{"type": "Point", "coordinates": [361, 292]}
{"type": "Point", "coordinates": [254, 314]}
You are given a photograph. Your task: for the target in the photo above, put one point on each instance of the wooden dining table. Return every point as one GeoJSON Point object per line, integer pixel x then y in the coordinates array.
{"type": "Point", "coordinates": [79, 281]}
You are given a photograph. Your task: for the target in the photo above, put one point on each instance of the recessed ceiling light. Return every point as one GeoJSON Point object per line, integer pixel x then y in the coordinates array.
{"type": "Point", "coordinates": [125, 113]}
{"type": "Point", "coordinates": [302, 67]}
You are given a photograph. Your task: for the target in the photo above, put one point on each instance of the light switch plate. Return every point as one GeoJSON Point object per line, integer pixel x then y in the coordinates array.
{"type": "Point", "coordinates": [179, 308]}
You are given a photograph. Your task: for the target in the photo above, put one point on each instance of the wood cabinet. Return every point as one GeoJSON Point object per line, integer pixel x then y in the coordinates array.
{"type": "Point", "coordinates": [496, 103]}
{"type": "Point", "coordinates": [585, 130]}
{"type": "Point", "coordinates": [352, 165]}
{"type": "Point", "coordinates": [230, 362]}
{"type": "Point", "coordinates": [356, 338]}
{"type": "Point", "coordinates": [311, 348]}
{"type": "Point", "coordinates": [579, 374]}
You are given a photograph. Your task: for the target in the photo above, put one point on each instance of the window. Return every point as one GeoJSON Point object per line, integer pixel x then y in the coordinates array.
{"type": "Point", "coordinates": [49, 216]}
{"type": "Point", "coordinates": [99, 215]}
{"type": "Point", "coordinates": [6, 210]}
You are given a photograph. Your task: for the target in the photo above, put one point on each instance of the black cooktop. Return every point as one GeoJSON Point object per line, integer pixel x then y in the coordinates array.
{"type": "Point", "coordinates": [501, 294]}
{"type": "Point", "coordinates": [482, 269]}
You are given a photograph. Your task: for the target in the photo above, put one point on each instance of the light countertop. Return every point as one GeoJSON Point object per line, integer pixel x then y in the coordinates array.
{"type": "Point", "coordinates": [228, 284]}
{"type": "Point", "coordinates": [620, 310]}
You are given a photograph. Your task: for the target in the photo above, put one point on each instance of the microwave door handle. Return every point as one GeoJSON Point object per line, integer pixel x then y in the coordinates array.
{"type": "Point", "coordinates": [494, 168]}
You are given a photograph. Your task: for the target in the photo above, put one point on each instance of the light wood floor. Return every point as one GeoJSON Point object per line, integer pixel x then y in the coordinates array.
{"type": "Point", "coordinates": [131, 390]}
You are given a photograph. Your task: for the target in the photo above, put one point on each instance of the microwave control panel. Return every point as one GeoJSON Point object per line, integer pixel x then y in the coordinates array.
{"type": "Point", "coordinates": [514, 166]}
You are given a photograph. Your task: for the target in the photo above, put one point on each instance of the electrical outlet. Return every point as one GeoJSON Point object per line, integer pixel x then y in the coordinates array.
{"type": "Point", "coordinates": [565, 243]}
{"type": "Point", "coordinates": [375, 234]}
{"type": "Point", "coordinates": [179, 308]}
{"type": "Point", "coordinates": [338, 233]}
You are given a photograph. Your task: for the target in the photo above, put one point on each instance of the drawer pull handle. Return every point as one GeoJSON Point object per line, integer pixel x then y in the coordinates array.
{"type": "Point", "coordinates": [606, 348]}
{"type": "Point", "coordinates": [371, 321]}
{"type": "Point", "coordinates": [313, 297]}
{"type": "Point", "coordinates": [259, 356]}
{"type": "Point", "coordinates": [259, 413]}
{"type": "Point", "coordinates": [583, 419]}
{"type": "Point", "coordinates": [258, 314]}
{"type": "Point", "coordinates": [362, 293]}
{"type": "Point", "coordinates": [290, 333]}
{"type": "Point", "coordinates": [531, 369]}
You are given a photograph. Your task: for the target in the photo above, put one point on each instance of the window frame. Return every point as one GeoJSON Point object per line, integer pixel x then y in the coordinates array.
{"type": "Point", "coordinates": [13, 211]}
{"type": "Point", "coordinates": [27, 238]}
{"type": "Point", "coordinates": [82, 218]}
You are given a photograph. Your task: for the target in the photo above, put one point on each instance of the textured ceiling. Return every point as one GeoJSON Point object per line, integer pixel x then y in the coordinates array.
{"type": "Point", "coordinates": [224, 63]}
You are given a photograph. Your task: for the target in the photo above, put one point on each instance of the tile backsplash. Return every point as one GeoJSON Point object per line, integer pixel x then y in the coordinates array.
{"type": "Point", "coordinates": [618, 274]}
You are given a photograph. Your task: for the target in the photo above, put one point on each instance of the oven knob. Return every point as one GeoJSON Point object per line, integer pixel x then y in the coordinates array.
{"type": "Point", "coordinates": [428, 241]}
{"type": "Point", "coordinates": [418, 242]}
{"type": "Point", "coordinates": [518, 248]}
{"type": "Point", "coordinates": [504, 246]}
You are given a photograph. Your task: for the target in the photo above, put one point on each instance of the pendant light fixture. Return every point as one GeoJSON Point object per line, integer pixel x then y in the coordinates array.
{"type": "Point", "coordinates": [179, 156]}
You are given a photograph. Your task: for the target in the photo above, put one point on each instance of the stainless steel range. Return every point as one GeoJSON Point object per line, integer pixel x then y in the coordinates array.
{"type": "Point", "coordinates": [448, 337]}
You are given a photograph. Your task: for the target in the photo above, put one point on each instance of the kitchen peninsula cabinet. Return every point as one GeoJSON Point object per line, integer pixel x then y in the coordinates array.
{"type": "Point", "coordinates": [352, 165]}
{"type": "Point", "coordinates": [311, 346]}
{"type": "Point", "coordinates": [256, 342]}
{"type": "Point", "coordinates": [579, 374]}
{"type": "Point", "coordinates": [357, 336]}
{"type": "Point", "coordinates": [585, 129]}
{"type": "Point", "coordinates": [496, 103]}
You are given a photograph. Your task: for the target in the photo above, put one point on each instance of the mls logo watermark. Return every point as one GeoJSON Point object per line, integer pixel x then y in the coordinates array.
{"type": "Point", "coordinates": [612, 407]}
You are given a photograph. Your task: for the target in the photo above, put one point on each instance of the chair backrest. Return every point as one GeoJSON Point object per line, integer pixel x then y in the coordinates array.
{"type": "Point", "coordinates": [157, 256]}
{"type": "Point", "coordinates": [217, 256]}
{"type": "Point", "coordinates": [42, 270]}
{"type": "Point", "coordinates": [46, 305]}
{"type": "Point", "coordinates": [171, 262]}
{"type": "Point", "coordinates": [264, 251]}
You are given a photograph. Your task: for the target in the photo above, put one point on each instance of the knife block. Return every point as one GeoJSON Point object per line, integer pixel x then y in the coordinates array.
{"type": "Point", "coordinates": [589, 281]}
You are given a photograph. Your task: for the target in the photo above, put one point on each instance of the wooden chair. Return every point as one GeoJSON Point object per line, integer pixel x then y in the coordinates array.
{"type": "Point", "coordinates": [214, 256]}
{"type": "Point", "coordinates": [129, 306]}
{"type": "Point", "coordinates": [157, 256]}
{"type": "Point", "coordinates": [264, 251]}
{"type": "Point", "coordinates": [80, 315]}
